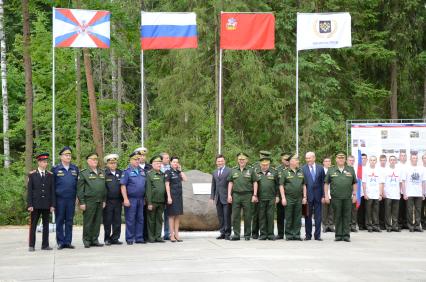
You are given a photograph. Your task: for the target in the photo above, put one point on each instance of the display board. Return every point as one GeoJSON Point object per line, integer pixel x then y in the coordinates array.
{"type": "Point", "coordinates": [388, 139]}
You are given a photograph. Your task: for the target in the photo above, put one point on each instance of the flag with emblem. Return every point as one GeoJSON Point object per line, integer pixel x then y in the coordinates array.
{"type": "Point", "coordinates": [164, 30]}
{"type": "Point", "coordinates": [323, 30]}
{"type": "Point", "coordinates": [247, 31]}
{"type": "Point", "coordinates": [359, 178]}
{"type": "Point", "coordinates": [81, 28]}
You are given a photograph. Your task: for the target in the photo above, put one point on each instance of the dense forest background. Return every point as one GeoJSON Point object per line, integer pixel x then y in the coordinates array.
{"type": "Point", "coordinates": [383, 76]}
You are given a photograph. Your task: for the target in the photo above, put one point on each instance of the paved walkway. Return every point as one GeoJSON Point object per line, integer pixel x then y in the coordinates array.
{"type": "Point", "coordinates": [369, 257]}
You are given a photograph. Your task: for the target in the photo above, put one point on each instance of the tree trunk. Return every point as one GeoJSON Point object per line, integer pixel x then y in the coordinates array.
{"type": "Point", "coordinates": [424, 96]}
{"type": "Point", "coordinates": [394, 90]}
{"type": "Point", "coordinates": [101, 95]}
{"type": "Point", "coordinates": [28, 88]}
{"type": "Point", "coordinates": [120, 95]}
{"type": "Point", "coordinates": [96, 133]}
{"type": "Point", "coordinates": [78, 103]}
{"type": "Point", "coordinates": [6, 145]}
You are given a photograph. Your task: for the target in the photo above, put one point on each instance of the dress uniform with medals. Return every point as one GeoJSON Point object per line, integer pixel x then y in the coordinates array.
{"type": "Point", "coordinates": [244, 181]}
{"type": "Point", "coordinates": [133, 187]}
{"type": "Point", "coordinates": [155, 198]}
{"type": "Point", "coordinates": [142, 151]}
{"type": "Point", "coordinates": [268, 183]}
{"type": "Point", "coordinates": [65, 178]}
{"type": "Point", "coordinates": [114, 201]}
{"type": "Point", "coordinates": [341, 180]}
{"type": "Point", "coordinates": [292, 184]}
{"type": "Point", "coordinates": [40, 201]}
{"type": "Point", "coordinates": [91, 193]}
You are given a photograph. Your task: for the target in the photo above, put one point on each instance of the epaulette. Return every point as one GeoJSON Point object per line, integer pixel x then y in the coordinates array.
{"type": "Point", "coordinates": [84, 169]}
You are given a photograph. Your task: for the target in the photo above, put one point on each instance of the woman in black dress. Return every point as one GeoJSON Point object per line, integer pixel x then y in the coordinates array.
{"type": "Point", "coordinates": [174, 178]}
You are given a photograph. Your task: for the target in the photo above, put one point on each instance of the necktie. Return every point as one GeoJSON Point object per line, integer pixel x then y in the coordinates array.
{"type": "Point", "coordinates": [313, 172]}
{"type": "Point", "coordinates": [220, 172]}
{"type": "Point", "coordinates": [42, 175]}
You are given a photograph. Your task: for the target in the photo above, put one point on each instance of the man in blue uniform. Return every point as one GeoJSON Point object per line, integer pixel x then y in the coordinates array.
{"type": "Point", "coordinates": [133, 191]}
{"type": "Point", "coordinates": [66, 175]}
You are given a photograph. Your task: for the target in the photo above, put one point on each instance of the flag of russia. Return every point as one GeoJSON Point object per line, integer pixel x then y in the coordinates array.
{"type": "Point", "coordinates": [168, 30]}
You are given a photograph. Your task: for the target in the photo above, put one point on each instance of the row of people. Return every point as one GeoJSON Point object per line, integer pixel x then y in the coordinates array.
{"type": "Point", "coordinates": [251, 188]}
{"type": "Point", "coordinates": [143, 189]}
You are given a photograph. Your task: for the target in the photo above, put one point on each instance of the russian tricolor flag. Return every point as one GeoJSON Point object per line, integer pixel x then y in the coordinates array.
{"type": "Point", "coordinates": [168, 30]}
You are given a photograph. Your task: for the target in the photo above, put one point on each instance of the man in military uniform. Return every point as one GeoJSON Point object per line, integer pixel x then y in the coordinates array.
{"type": "Point", "coordinates": [155, 199]}
{"type": "Point", "coordinates": [280, 208]}
{"type": "Point", "coordinates": [142, 153]}
{"type": "Point", "coordinates": [40, 200]}
{"type": "Point", "coordinates": [268, 196]}
{"type": "Point", "coordinates": [133, 183]}
{"type": "Point", "coordinates": [255, 211]}
{"type": "Point", "coordinates": [342, 183]}
{"type": "Point", "coordinates": [242, 193]}
{"type": "Point", "coordinates": [114, 201]}
{"type": "Point", "coordinates": [65, 175]}
{"type": "Point", "coordinates": [351, 162]}
{"type": "Point", "coordinates": [91, 194]}
{"type": "Point", "coordinates": [293, 195]}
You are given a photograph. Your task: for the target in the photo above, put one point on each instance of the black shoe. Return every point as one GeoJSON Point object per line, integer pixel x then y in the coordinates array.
{"type": "Point", "coordinates": [227, 237]}
{"type": "Point", "coordinates": [297, 239]}
{"type": "Point", "coordinates": [116, 242]}
{"type": "Point", "coordinates": [220, 237]}
{"type": "Point", "coordinates": [370, 230]}
{"type": "Point", "coordinates": [46, 248]}
{"type": "Point", "coordinates": [247, 238]}
{"type": "Point", "coordinates": [396, 230]}
{"type": "Point", "coordinates": [255, 237]}
{"type": "Point", "coordinates": [234, 238]}
{"type": "Point", "coordinates": [307, 239]}
{"type": "Point", "coordinates": [331, 229]}
{"type": "Point", "coordinates": [272, 238]}
{"type": "Point", "coordinates": [288, 239]}
{"type": "Point", "coordinates": [87, 246]}
{"type": "Point", "coordinates": [31, 249]}
{"type": "Point", "coordinates": [97, 244]}
{"type": "Point", "coordinates": [318, 239]}
{"type": "Point", "coordinates": [140, 242]}
{"type": "Point", "coordinates": [353, 229]}
{"type": "Point", "coordinates": [418, 229]}
{"type": "Point", "coordinates": [107, 243]}
{"type": "Point", "coordinates": [160, 240]}
{"type": "Point", "coordinates": [129, 242]}
{"type": "Point", "coordinates": [60, 247]}
{"type": "Point", "coordinates": [347, 239]}
{"type": "Point", "coordinates": [261, 238]}
{"type": "Point", "coordinates": [69, 246]}
{"type": "Point", "coordinates": [411, 230]}
{"type": "Point", "coordinates": [377, 230]}
{"type": "Point", "coordinates": [279, 237]}
{"type": "Point", "coordinates": [338, 239]}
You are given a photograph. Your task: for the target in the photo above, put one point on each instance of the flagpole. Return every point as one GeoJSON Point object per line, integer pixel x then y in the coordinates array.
{"type": "Point", "coordinates": [53, 101]}
{"type": "Point", "coordinates": [142, 100]}
{"type": "Point", "coordinates": [219, 130]}
{"type": "Point", "coordinates": [297, 101]}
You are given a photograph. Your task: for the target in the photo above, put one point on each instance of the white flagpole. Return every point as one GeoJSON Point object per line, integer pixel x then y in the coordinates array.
{"type": "Point", "coordinates": [53, 99]}
{"type": "Point", "coordinates": [219, 130]}
{"type": "Point", "coordinates": [297, 101]}
{"type": "Point", "coordinates": [142, 100]}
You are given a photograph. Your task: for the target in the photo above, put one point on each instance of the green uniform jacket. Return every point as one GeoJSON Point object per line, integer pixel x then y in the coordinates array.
{"type": "Point", "coordinates": [280, 170]}
{"type": "Point", "coordinates": [155, 187]}
{"type": "Point", "coordinates": [341, 183]}
{"type": "Point", "coordinates": [268, 184]}
{"type": "Point", "coordinates": [242, 180]}
{"type": "Point", "coordinates": [91, 186]}
{"type": "Point", "coordinates": [293, 182]}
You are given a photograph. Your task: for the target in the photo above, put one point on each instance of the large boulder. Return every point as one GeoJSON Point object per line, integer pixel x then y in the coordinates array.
{"type": "Point", "coordinates": [198, 214]}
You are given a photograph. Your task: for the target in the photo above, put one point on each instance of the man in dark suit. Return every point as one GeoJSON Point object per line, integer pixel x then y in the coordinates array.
{"type": "Point", "coordinates": [314, 178]}
{"type": "Point", "coordinates": [219, 194]}
{"type": "Point", "coordinates": [40, 200]}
